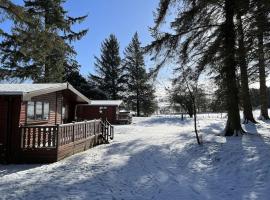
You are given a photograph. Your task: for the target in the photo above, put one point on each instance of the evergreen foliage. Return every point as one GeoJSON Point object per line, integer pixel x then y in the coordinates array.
{"type": "Point", "coordinates": [44, 51]}
{"type": "Point", "coordinates": [9, 10]}
{"type": "Point", "coordinates": [109, 76]}
{"type": "Point", "coordinates": [140, 92]}
{"type": "Point", "coordinates": [83, 86]}
{"type": "Point", "coordinates": [203, 38]}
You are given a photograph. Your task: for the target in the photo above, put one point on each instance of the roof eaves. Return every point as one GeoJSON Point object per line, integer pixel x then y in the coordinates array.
{"type": "Point", "coordinates": [70, 87]}
{"type": "Point", "coordinates": [28, 95]}
{"type": "Point", "coordinates": [12, 93]}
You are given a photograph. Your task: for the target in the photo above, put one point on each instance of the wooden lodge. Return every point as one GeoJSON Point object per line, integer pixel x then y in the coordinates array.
{"type": "Point", "coordinates": [100, 109]}
{"type": "Point", "coordinates": [37, 123]}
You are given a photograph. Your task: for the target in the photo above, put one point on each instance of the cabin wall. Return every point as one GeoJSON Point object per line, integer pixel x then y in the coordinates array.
{"type": "Point", "coordinates": [55, 100]}
{"type": "Point", "coordinates": [92, 112]}
{"type": "Point", "coordinates": [9, 126]}
{"type": "Point", "coordinates": [3, 119]}
{"type": "Point", "coordinates": [13, 114]}
{"type": "Point", "coordinates": [15, 133]}
{"type": "Point", "coordinates": [70, 110]}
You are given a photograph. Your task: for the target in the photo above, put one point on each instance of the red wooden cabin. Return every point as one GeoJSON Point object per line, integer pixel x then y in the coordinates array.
{"type": "Point", "coordinates": [100, 109]}
{"type": "Point", "coordinates": [37, 123]}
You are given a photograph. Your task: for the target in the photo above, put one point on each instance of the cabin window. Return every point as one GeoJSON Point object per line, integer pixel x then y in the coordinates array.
{"type": "Point", "coordinates": [46, 110]}
{"type": "Point", "coordinates": [39, 115]}
{"type": "Point", "coordinates": [64, 117]}
{"type": "Point", "coordinates": [37, 111]}
{"type": "Point", "coordinates": [31, 111]}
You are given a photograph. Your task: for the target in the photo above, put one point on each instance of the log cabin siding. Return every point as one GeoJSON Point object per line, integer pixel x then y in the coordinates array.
{"type": "Point", "coordinates": [88, 112]}
{"type": "Point", "coordinates": [23, 113]}
{"type": "Point", "coordinates": [14, 145]}
{"type": "Point", "coordinates": [59, 104]}
{"type": "Point", "coordinates": [13, 118]}
{"type": "Point", "coordinates": [3, 119]}
{"type": "Point", "coordinates": [54, 99]}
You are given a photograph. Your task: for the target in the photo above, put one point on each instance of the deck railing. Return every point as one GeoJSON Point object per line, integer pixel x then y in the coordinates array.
{"type": "Point", "coordinates": [78, 131]}
{"type": "Point", "coordinates": [45, 137]}
{"type": "Point", "coordinates": [107, 130]}
{"type": "Point", "coordinates": [38, 136]}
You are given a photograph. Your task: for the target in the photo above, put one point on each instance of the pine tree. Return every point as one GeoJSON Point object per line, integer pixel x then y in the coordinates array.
{"type": "Point", "coordinates": [203, 42]}
{"type": "Point", "coordinates": [243, 64]}
{"type": "Point", "coordinates": [13, 12]}
{"type": "Point", "coordinates": [262, 9]}
{"type": "Point", "coordinates": [148, 102]}
{"type": "Point", "coordinates": [140, 93]}
{"type": "Point", "coordinates": [41, 52]}
{"type": "Point", "coordinates": [256, 23]}
{"type": "Point", "coordinates": [233, 126]}
{"type": "Point", "coordinates": [16, 14]}
{"type": "Point", "coordinates": [109, 76]}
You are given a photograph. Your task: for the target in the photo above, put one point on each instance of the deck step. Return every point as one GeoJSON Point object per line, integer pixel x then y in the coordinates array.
{"type": "Point", "coordinates": [107, 131]}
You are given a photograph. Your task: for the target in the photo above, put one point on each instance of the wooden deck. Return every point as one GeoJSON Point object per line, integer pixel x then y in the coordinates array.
{"type": "Point", "coordinates": [45, 144]}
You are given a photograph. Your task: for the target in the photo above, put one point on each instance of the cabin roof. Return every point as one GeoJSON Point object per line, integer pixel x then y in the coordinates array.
{"type": "Point", "coordinates": [106, 102]}
{"type": "Point", "coordinates": [27, 91]}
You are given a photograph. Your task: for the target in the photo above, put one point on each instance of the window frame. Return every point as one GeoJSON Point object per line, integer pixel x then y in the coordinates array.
{"type": "Point", "coordinates": [35, 120]}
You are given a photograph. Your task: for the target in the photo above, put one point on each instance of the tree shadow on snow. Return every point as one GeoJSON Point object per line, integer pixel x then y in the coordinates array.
{"type": "Point", "coordinates": [212, 128]}
{"type": "Point", "coordinates": [12, 168]}
{"type": "Point", "coordinates": [170, 120]}
{"type": "Point", "coordinates": [234, 169]}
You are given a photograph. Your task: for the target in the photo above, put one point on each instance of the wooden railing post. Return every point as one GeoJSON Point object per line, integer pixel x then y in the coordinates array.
{"type": "Point", "coordinates": [107, 131]}
{"type": "Point", "coordinates": [22, 136]}
{"type": "Point", "coordinates": [95, 127]}
{"type": "Point", "coordinates": [85, 129]}
{"type": "Point", "coordinates": [57, 136]}
{"type": "Point", "coordinates": [73, 130]}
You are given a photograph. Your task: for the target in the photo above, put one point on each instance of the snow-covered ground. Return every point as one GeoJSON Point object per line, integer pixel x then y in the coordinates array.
{"type": "Point", "coordinates": [154, 158]}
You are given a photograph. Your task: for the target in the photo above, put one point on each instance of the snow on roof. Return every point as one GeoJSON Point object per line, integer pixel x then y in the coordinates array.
{"type": "Point", "coordinates": [106, 102]}
{"type": "Point", "coordinates": [26, 88]}
{"type": "Point", "coordinates": [30, 90]}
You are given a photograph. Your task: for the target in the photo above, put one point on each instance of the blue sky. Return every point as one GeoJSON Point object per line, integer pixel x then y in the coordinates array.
{"type": "Point", "coordinates": [120, 17]}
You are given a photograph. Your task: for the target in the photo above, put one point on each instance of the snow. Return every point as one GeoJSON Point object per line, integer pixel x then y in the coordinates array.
{"type": "Point", "coordinates": [106, 102]}
{"type": "Point", "coordinates": [30, 90]}
{"type": "Point", "coordinates": [154, 158]}
{"type": "Point", "coordinates": [24, 88]}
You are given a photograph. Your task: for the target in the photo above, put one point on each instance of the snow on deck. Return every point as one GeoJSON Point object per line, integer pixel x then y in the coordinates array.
{"type": "Point", "coordinates": [154, 158]}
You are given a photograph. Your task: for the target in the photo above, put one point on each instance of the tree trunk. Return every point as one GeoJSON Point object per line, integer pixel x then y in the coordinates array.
{"type": "Point", "coordinates": [189, 109]}
{"type": "Point", "coordinates": [247, 107]}
{"type": "Point", "coordinates": [263, 87]}
{"type": "Point", "coordinates": [195, 121]}
{"type": "Point", "coordinates": [261, 57]}
{"type": "Point", "coordinates": [233, 126]}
